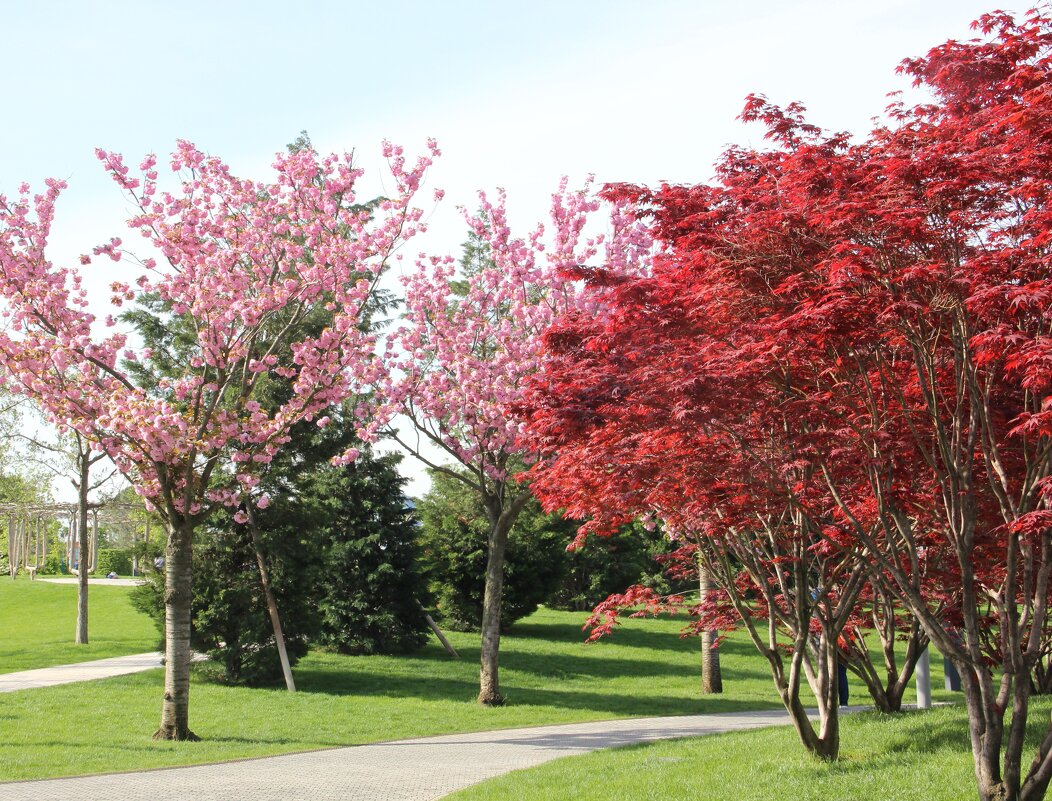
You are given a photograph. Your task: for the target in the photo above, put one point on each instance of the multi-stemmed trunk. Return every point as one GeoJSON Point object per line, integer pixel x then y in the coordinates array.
{"type": "Point", "coordinates": [996, 748]}
{"type": "Point", "coordinates": [826, 685]}
{"type": "Point", "coordinates": [996, 695]}
{"type": "Point", "coordinates": [811, 656]}
{"type": "Point", "coordinates": [178, 593]}
{"type": "Point", "coordinates": [886, 690]}
{"type": "Point", "coordinates": [822, 676]}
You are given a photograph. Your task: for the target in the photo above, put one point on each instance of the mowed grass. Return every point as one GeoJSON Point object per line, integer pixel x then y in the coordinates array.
{"type": "Point", "coordinates": [38, 622]}
{"type": "Point", "coordinates": [548, 674]}
{"type": "Point", "coordinates": [883, 757]}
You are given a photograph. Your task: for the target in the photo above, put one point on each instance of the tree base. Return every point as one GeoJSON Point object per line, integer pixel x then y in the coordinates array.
{"type": "Point", "coordinates": [826, 752]}
{"type": "Point", "coordinates": [492, 699]}
{"type": "Point", "coordinates": [185, 736]}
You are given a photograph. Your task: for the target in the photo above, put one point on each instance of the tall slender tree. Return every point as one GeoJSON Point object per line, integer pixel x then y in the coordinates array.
{"type": "Point", "coordinates": [458, 362]}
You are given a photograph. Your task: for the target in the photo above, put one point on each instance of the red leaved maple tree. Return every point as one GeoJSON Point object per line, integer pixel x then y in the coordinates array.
{"type": "Point", "coordinates": [846, 352]}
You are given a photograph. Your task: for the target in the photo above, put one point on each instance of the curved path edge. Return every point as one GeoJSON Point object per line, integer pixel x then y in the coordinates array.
{"type": "Point", "coordinates": [401, 770]}
{"type": "Point", "coordinates": [79, 671]}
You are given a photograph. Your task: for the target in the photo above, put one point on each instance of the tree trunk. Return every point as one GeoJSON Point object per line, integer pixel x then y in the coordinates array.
{"type": "Point", "coordinates": [825, 743]}
{"type": "Point", "coordinates": [178, 593]}
{"type": "Point", "coordinates": [986, 732]}
{"type": "Point", "coordinates": [711, 676]}
{"type": "Point", "coordinates": [489, 680]}
{"type": "Point", "coordinates": [272, 604]}
{"type": "Point", "coordinates": [887, 691]}
{"type": "Point", "coordinates": [1041, 677]}
{"type": "Point", "coordinates": [94, 563]}
{"type": "Point", "coordinates": [825, 685]}
{"type": "Point", "coordinates": [84, 549]}
{"type": "Point", "coordinates": [12, 549]}
{"type": "Point", "coordinates": [71, 541]}
{"type": "Point", "coordinates": [437, 631]}
{"type": "Point", "coordinates": [998, 758]}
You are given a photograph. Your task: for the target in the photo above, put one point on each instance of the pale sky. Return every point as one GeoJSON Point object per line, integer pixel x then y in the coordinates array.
{"type": "Point", "coordinates": [517, 94]}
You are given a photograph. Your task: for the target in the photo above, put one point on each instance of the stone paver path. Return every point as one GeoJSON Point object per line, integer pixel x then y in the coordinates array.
{"type": "Point", "coordinates": [403, 770]}
{"type": "Point", "coordinates": [81, 671]}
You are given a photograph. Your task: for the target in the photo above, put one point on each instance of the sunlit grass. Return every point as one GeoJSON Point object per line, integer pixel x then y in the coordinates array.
{"type": "Point", "coordinates": [38, 622]}
{"type": "Point", "coordinates": [548, 674]}
{"type": "Point", "coordinates": [914, 755]}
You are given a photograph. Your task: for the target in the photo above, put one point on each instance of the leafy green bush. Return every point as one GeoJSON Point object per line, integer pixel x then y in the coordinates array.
{"type": "Point", "coordinates": [229, 619]}
{"type": "Point", "coordinates": [114, 560]}
{"type": "Point", "coordinates": [372, 577]}
{"type": "Point", "coordinates": [603, 566]}
{"type": "Point", "coordinates": [455, 536]}
{"type": "Point", "coordinates": [341, 554]}
{"type": "Point", "coordinates": [54, 563]}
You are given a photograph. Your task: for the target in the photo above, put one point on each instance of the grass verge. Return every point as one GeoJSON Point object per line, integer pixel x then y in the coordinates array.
{"type": "Point", "coordinates": [547, 672]}
{"type": "Point", "coordinates": [38, 621]}
{"type": "Point", "coordinates": [913, 755]}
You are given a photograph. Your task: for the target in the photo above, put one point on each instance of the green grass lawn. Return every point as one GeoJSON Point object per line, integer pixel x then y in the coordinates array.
{"type": "Point", "coordinates": [38, 621]}
{"type": "Point", "coordinates": [914, 755]}
{"type": "Point", "coordinates": [547, 672]}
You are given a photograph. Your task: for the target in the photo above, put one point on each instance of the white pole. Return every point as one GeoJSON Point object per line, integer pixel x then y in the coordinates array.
{"type": "Point", "coordinates": [923, 673]}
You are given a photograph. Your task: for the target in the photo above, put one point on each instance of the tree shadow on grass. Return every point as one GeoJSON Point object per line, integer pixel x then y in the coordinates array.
{"type": "Point", "coordinates": [147, 745]}
{"type": "Point", "coordinates": [584, 665]}
{"type": "Point", "coordinates": [594, 665]}
{"type": "Point", "coordinates": [675, 657]}
{"type": "Point", "coordinates": [945, 734]}
{"type": "Point", "coordinates": [599, 665]}
{"type": "Point", "coordinates": [299, 743]}
{"type": "Point", "coordinates": [670, 641]}
{"type": "Point", "coordinates": [363, 683]}
{"type": "Point", "coordinates": [627, 637]}
{"type": "Point", "coordinates": [929, 731]}
{"type": "Point", "coordinates": [628, 706]}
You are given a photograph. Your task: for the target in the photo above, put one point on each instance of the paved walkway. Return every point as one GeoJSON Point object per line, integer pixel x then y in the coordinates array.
{"type": "Point", "coordinates": [403, 770]}
{"type": "Point", "coordinates": [81, 671]}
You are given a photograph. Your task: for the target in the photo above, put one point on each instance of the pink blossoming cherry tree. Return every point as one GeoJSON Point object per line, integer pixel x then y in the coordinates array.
{"type": "Point", "coordinates": [241, 264]}
{"type": "Point", "coordinates": [459, 362]}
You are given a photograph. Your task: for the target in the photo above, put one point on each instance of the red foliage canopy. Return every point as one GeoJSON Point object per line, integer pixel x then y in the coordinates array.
{"type": "Point", "coordinates": [848, 345]}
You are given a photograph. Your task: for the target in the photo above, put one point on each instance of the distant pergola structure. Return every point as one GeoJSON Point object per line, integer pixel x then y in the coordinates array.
{"type": "Point", "coordinates": [27, 525]}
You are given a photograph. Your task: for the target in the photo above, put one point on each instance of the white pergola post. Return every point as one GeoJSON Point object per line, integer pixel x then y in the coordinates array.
{"type": "Point", "coordinates": [923, 674]}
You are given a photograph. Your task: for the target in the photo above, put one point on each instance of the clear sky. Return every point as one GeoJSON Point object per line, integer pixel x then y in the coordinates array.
{"type": "Point", "coordinates": [517, 94]}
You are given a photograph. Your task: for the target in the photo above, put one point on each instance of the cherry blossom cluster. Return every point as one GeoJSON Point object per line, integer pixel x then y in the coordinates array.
{"type": "Point", "coordinates": [244, 263]}
{"type": "Point", "coordinates": [458, 363]}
